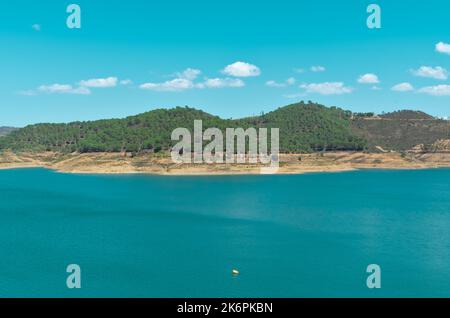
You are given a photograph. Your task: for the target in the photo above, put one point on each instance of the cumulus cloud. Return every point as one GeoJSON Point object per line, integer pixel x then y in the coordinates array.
{"type": "Point", "coordinates": [185, 80]}
{"type": "Point", "coordinates": [438, 90]}
{"type": "Point", "coordinates": [327, 88]}
{"type": "Point", "coordinates": [36, 27]}
{"type": "Point", "coordinates": [242, 69]}
{"type": "Point", "coordinates": [182, 84]}
{"type": "Point", "coordinates": [223, 82]}
{"type": "Point", "coordinates": [442, 47]}
{"type": "Point", "coordinates": [100, 82]}
{"type": "Point", "coordinates": [431, 72]}
{"type": "Point", "coordinates": [189, 74]}
{"type": "Point", "coordinates": [126, 82]}
{"type": "Point", "coordinates": [175, 85]}
{"type": "Point", "coordinates": [403, 87]}
{"type": "Point", "coordinates": [317, 68]}
{"type": "Point", "coordinates": [368, 78]}
{"type": "Point", "coordinates": [275, 84]}
{"type": "Point", "coordinates": [63, 89]}
{"type": "Point", "coordinates": [290, 81]}
{"type": "Point", "coordinates": [81, 88]}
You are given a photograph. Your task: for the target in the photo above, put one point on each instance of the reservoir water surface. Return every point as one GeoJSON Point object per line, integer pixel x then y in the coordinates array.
{"type": "Point", "coordinates": [309, 235]}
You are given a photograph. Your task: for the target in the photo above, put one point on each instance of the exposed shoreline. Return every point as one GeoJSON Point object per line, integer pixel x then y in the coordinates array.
{"type": "Point", "coordinates": [161, 164]}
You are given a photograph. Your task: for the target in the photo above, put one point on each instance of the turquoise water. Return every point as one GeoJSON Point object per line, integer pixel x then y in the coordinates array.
{"type": "Point", "coordinates": [290, 236]}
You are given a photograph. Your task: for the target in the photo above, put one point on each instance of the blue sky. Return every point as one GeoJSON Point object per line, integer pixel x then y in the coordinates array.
{"type": "Point", "coordinates": [134, 56]}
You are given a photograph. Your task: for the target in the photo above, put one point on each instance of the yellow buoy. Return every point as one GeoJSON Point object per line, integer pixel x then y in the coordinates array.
{"type": "Point", "coordinates": [235, 272]}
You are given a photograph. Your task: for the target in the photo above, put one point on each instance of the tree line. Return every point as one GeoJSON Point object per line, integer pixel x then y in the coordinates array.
{"type": "Point", "coordinates": [304, 127]}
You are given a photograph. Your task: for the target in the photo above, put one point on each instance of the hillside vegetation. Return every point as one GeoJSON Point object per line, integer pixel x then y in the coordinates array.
{"type": "Point", "coordinates": [401, 131]}
{"type": "Point", "coordinates": [303, 128]}
{"type": "Point", "coordinates": [407, 115]}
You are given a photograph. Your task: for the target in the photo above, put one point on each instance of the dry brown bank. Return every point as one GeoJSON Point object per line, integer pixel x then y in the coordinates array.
{"type": "Point", "coordinates": [162, 163]}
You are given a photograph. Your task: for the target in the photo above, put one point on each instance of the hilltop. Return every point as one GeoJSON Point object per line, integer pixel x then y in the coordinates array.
{"type": "Point", "coordinates": [407, 115]}
{"type": "Point", "coordinates": [303, 128]}
{"type": "Point", "coordinates": [313, 138]}
{"type": "Point", "coordinates": [402, 130]}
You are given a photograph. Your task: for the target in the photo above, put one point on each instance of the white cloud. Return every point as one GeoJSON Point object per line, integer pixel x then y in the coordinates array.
{"type": "Point", "coordinates": [431, 72]}
{"type": "Point", "coordinates": [299, 70]}
{"type": "Point", "coordinates": [327, 88]}
{"type": "Point", "coordinates": [375, 88]}
{"type": "Point", "coordinates": [81, 91]}
{"type": "Point", "coordinates": [185, 80]}
{"type": "Point", "coordinates": [100, 82]}
{"type": "Point", "coordinates": [126, 82]}
{"type": "Point", "coordinates": [242, 69]}
{"type": "Point", "coordinates": [223, 82]}
{"type": "Point", "coordinates": [36, 27]}
{"type": "Point", "coordinates": [368, 78]}
{"type": "Point", "coordinates": [63, 89]}
{"type": "Point", "coordinates": [290, 81]}
{"type": "Point", "coordinates": [317, 68]}
{"type": "Point", "coordinates": [189, 74]}
{"type": "Point", "coordinates": [275, 84]}
{"type": "Point", "coordinates": [403, 87]}
{"type": "Point", "coordinates": [83, 87]}
{"type": "Point", "coordinates": [182, 84]}
{"type": "Point", "coordinates": [438, 90]}
{"type": "Point", "coordinates": [442, 47]}
{"type": "Point", "coordinates": [175, 85]}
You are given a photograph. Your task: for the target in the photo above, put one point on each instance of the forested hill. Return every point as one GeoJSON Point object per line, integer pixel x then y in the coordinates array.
{"type": "Point", "coordinates": [303, 128]}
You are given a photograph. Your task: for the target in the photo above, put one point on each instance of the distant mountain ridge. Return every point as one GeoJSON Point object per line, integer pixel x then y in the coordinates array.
{"type": "Point", "coordinates": [6, 130]}
{"type": "Point", "coordinates": [402, 130]}
{"type": "Point", "coordinates": [407, 115]}
{"type": "Point", "coordinates": [304, 127]}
